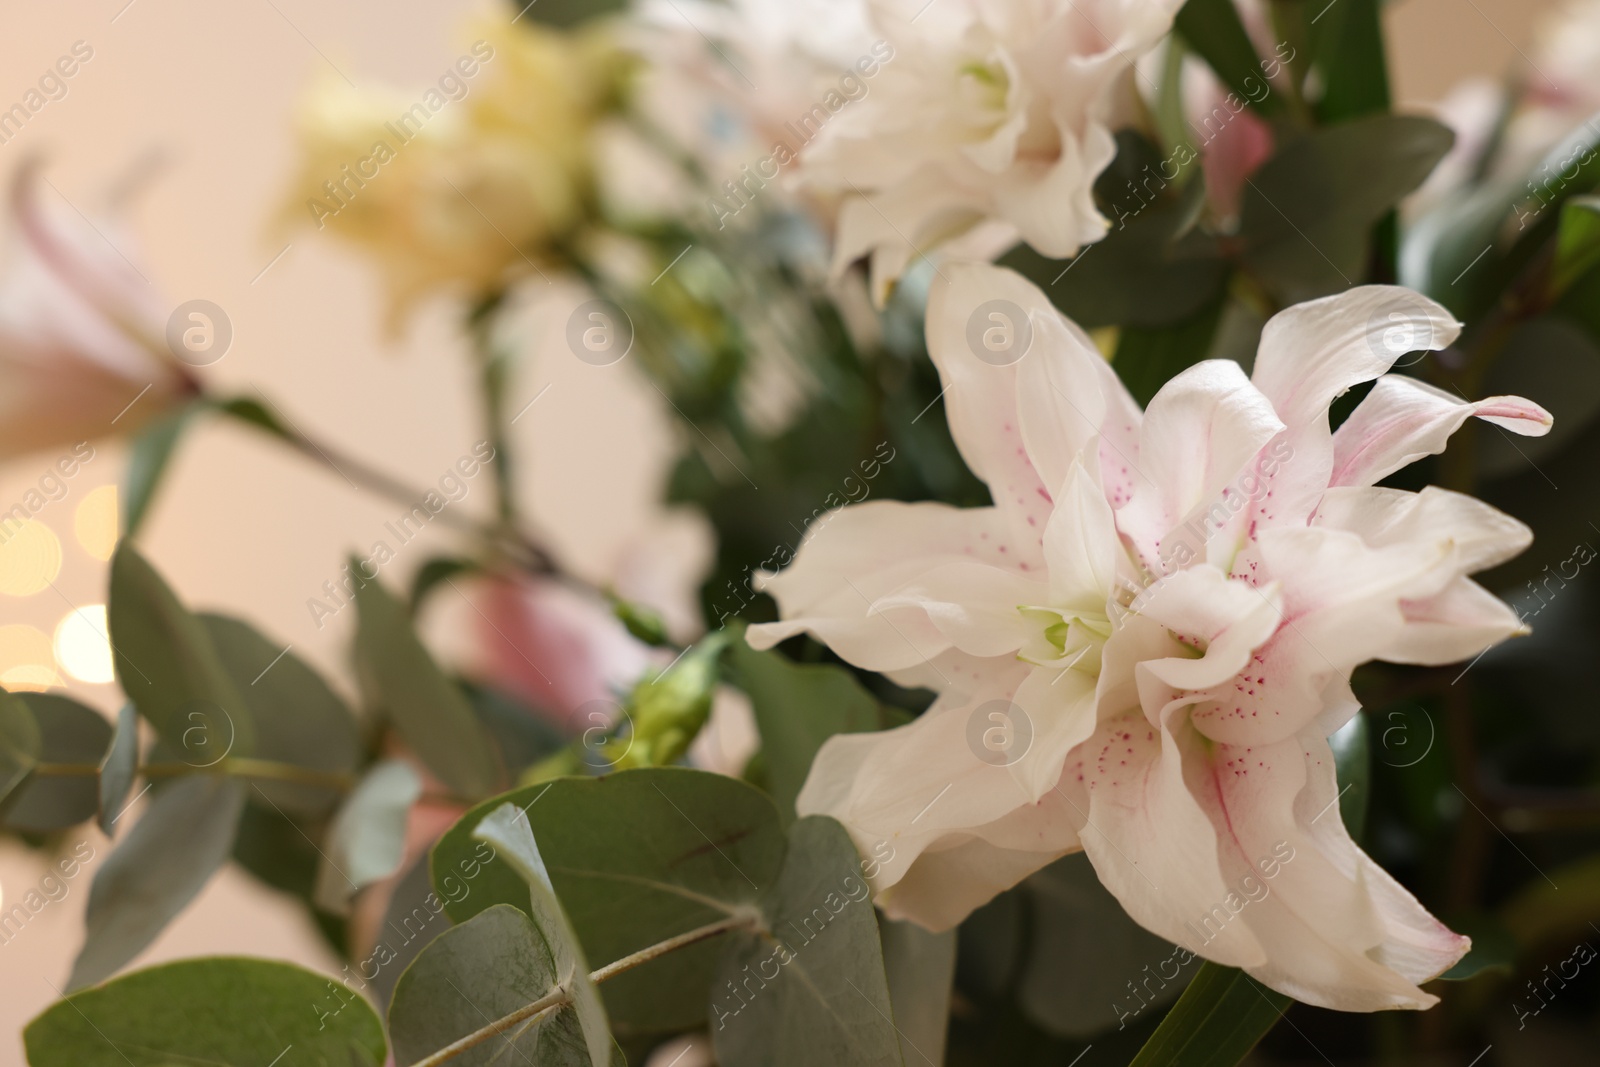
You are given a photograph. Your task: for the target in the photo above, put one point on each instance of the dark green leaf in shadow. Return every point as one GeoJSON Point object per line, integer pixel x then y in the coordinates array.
{"type": "Point", "coordinates": [148, 456]}
{"type": "Point", "coordinates": [119, 769]}
{"type": "Point", "coordinates": [920, 966]}
{"type": "Point", "coordinates": [69, 732]}
{"type": "Point", "coordinates": [1217, 1021]}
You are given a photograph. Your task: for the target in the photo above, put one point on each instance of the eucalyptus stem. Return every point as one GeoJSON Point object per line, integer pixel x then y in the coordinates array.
{"type": "Point", "coordinates": [237, 767]}
{"type": "Point", "coordinates": [560, 997]}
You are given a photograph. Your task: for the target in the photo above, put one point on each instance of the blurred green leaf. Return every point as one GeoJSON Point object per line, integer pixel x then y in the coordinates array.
{"type": "Point", "coordinates": [298, 719]}
{"type": "Point", "coordinates": [1577, 242]}
{"type": "Point", "coordinates": [69, 732]}
{"type": "Point", "coordinates": [1493, 948]}
{"type": "Point", "coordinates": [431, 574]}
{"type": "Point", "coordinates": [1307, 214]}
{"type": "Point", "coordinates": [212, 1011]}
{"type": "Point", "coordinates": [1352, 755]}
{"type": "Point", "coordinates": [1149, 357]}
{"type": "Point", "coordinates": [367, 840]}
{"type": "Point", "coordinates": [429, 710]}
{"type": "Point", "coordinates": [120, 767]}
{"type": "Point", "coordinates": [155, 870]}
{"type": "Point", "coordinates": [566, 13]}
{"type": "Point", "coordinates": [1217, 1021]}
{"type": "Point", "coordinates": [1541, 914]}
{"type": "Point", "coordinates": [1348, 49]}
{"type": "Point", "coordinates": [414, 919]}
{"type": "Point", "coordinates": [636, 857]}
{"type": "Point", "coordinates": [20, 742]}
{"type": "Point", "coordinates": [149, 453]}
{"type": "Point", "coordinates": [797, 708]}
{"type": "Point", "coordinates": [1213, 29]}
{"type": "Point", "coordinates": [920, 967]}
{"type": "Point", "coordinates": [809, 988]}
{"type": "Point", "coordinates": [169, 668]}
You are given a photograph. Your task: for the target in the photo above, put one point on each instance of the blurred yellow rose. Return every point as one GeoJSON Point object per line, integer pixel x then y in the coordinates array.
{"type": "Point", "coordinates": [469, 183]}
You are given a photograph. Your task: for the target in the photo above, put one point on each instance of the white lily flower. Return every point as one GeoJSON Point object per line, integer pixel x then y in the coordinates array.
{"type": "Point", "coordinates": [990, 115]}
{"type": "Point", "coordinates": [1156, 622]}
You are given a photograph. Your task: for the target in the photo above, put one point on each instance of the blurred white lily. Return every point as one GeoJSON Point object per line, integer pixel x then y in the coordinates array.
{"type": "Point", "coordinates": [81, 349]}
{"type": "Point", "coordinates": [989, 117]}
{"type": "Point", "coordinates": [1157, 620]}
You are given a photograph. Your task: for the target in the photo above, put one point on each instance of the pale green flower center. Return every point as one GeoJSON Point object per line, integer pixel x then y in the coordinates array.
{"type": "Point", "coordinates": [1067, 638]}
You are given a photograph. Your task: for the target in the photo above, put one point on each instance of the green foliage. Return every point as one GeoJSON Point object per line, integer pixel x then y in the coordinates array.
{"type": "Point", "coordinates": [68, 733]}
{"type": "Point", "coordinates": [148, 458]}
{"type": "Point", "coordinates": [1216, 1022]}
{"type": "Point", "coordinates": [20, 743]}
{"type": "Point", "coordinates": [214, 1011]}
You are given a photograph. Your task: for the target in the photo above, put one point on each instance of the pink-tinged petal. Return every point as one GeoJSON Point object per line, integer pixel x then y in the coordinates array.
{"type": "Point", "coordinates": [1081, 545]}
{"type": "Point", "coordinates": [1337, 931]}
{"type": "Point", "coordinates": [981, 388]}
{"type": "Point", "coordinates": [899, 225]}
{"type": "Point", "coordinates": [1452, 626]}
{"type": "Point", "coordinates": [1310, 355]}
{"type": "Point", "coordinates": [1479, 536]}
{"type": "Point", "coordinates": [859, 554]}
{"type": "Point", "coordinates": [1053, 204]}
{"type": "Point", "coordinates": [1200, 432]}
{"type": "Point", "coordinates": [1403, 419]}
{"type": "Point", "coordinates": [950, 881]}
{"type": "Point", "coordinates": [1150, 841]}
{"type": "Point", "coordinates": [1220, 620]}
{"type": "Point", "coordinates": [1059, 706]}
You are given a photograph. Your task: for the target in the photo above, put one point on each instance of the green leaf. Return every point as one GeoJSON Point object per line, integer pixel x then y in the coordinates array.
{"type": "Point", "coordinates": [797, 708]}
{"type": "Point", "coordinates": [809, 987]}
{"type": "Point", "coordinates": [148, 455]}
{"type": "Point", "coordinates": [119, 769]}
{"type": "Point", "coordinates": [507, 829]}
{"type": "Point", "coordinates": [1306, 215]}
{"type": "Point", "coordinates": [69, 732]}
{"type": "Point", "coordinates": [153, 873]}
{"type": "Point", "coordinates": [1147, 358]}
{"type": "Point", "coordinates": [170, 670]}
{"type": "Point", "coordinates": [522, 734]}
{"type": "Point", "coordinates": [473, 974]}
{"type": "Point", "coordinates": [566, 13]}
{"type": "Point", "coordinates": [636, 857]}
{"type": "Point", "coordinates": [1217, 1021]}
{"type": "Point", "coordinates": [1577, 242]}
{"type": "Point", "coordinates": [298, 719]}
{"type": "Point", "coordinates": [921, 968]}
{"type": "Point", "coordinates": [1352, 756]}
{"type": "Point", "coordinates": [1493, 948]}
{"type": "Point", "coordinates": [219, 1010]}
{"type": "Point", "coordinates": [414, 918]}
{"type": "Point", "coordinates": [434, 572]}
{"type": "Point", "coordinates": [1154, 268]}
{"type": "Point", "coordinates": [20, 742]}
{"type": "Point", "coordinates": [368, 838]}
{"type": "Point", "coordinates": [429, 710]}
{"type": "Point", "coordinates": [1073, 919]}
{"type": "Point", "coordinates": [1212, 28]}
{"type": "Point", "coordinates": [1347, 39]}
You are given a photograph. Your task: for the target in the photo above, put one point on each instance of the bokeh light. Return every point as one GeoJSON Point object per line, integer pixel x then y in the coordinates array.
{"type": "Point", "coordinates": [95, 522]}
{"type": "Point", "coordinates": [82, 646]}
{"type": "Point", "coordinates": [30, 557]}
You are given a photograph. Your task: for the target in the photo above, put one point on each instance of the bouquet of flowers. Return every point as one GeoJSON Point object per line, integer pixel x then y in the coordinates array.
{"type": "Point", "coordinates": [1062, 642]}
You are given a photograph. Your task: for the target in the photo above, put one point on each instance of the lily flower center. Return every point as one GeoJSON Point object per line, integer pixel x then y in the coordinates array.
{"type": "Point", "coordinates": [1068, 638]}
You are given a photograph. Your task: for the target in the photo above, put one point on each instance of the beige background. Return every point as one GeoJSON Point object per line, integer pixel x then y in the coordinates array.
{"type": "Point", "coordinates": [210, 88]}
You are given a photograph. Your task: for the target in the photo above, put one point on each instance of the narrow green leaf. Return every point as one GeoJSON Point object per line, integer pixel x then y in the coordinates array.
{"type": "Point", "coordinates": [809, 988]}
{"type": "Point", "coordinates": [921, 968]}
{"type": "Point", "coordinates": [1347, 40]}
{"type": "Point", "coordinates": [367, 840]}
{"type": "Point", "coordinates": [219, 1010]}
{"type": "Point", "coordinates": [1577, 242]}
{"type": "Point", "coordinates": [507, 829]}
{"type": "Point", "coordinates": [1212, 28]}
{"type": "Point", "coordinates": [567, 13]}
{"type": "Point", "coordinates": [155, 871]}
{"type": "Point", "coordinates": [20, 742]}
{"type": "Point", "coordinates": [69, 732]}
{"type": "Point", "coordinates": [298, 719]}
{"type": "Point", "coordinates": [148, 456]}
{"type": "Point", "coordinates": [170, 670]}
{"type": "Point", "coordinates": [429, 710]}
{"type": "Point", "coordinates": [119, 769]}
{"type": "Point", "coordinates": [797, 708]}
{"type": "Point", "coordinates": [1149, 357]}
{"type": "Point", "coordinates": [1217, 1021]}
{"type": "Point", "coordinates": [1352, 755]}
{"type": "Point", "coordinates": [636, 857]}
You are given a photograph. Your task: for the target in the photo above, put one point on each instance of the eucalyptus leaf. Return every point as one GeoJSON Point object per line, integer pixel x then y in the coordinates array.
{"type": "Point", "coordinates": [168, 667]}
{"type": "Point", "coordinates": [149, 455]}
{"type": "Point", "coordinates": [636, 857]}
{"type": "Point", "coordinates": [1149, 357]}
{"type": "Point", "coordinates": [119, 769]}
{"type": "Point", "coordinates": [1217, 1021]}
{"type": "Point", "coordinates": [484, 970]}
{"type": "Point", "coordinates": [1347, 39]}
{"type": "Point", "coordinates": [1577, 242]}
{"type": "Point", "coordinates": [69, 732]}
{"type": "Point", "coordinates": [507, 829]}
{"type": "Point", "coordinates": [367, 840]}
{"type": "Point", "coordinates": [429, 710]}
{"type": "Point", "coordinates": [218, 1010]}
{"type": "Point", "coordinates": [1352, 756]}
{"type": "Point", "coordinates": [797, 708]}
{"type": "Point", "coordinates": [298, 719]}
{"type": "Point", "coordinates": [153, 873]}
{"type": "Point", "coordinates": [414, 918]}
{"type": "Point", "coordinates": [20, 742]}
{"type": "Point", "coordinates": [809, 987]}
{"type": "Point", "coordinates": [1307, 214]}
{"type": "Point", "coordinates": [921, 967]}
{"type": "Point", "coordinates": [1212, 28]}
